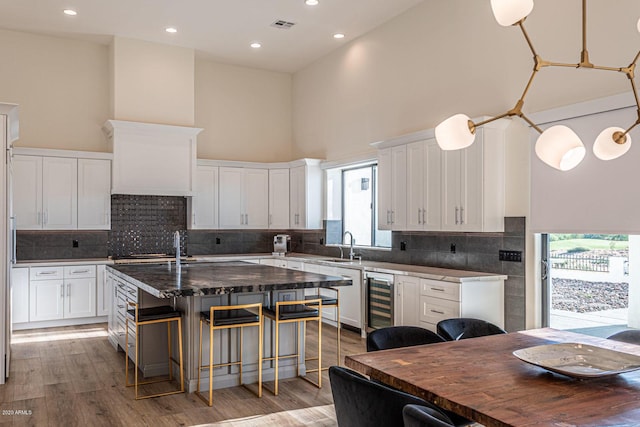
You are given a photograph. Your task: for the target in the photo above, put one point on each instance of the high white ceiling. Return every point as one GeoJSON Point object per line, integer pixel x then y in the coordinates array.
{"type": "Point", "coordinates": [221, 29]}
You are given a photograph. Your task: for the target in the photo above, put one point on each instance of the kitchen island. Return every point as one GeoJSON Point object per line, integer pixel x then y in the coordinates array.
{"type": "Point", "coordinates": [194, 288]}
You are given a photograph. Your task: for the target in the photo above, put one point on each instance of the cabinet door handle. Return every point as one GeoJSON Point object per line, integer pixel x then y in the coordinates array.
{"type": "Point", "coordinates": [461, 215]}
{"type": "Point", "coordinates": [419, 212]}
{"type": "Point", "coordinates": [194, 218]}
{"type": "Point", "coordinates": [46, 273]}
{"type": "Point", "coordinates": [424, 211]}
{"type": "Point", "coordinates": [437, 289]}
{"type": "Point", "coordinates": [68, 289]}
{"type": "Point", "coordinates": [45, 218]}
{"type": "Point", "coordinates": [242, 219]}
{"type": "Point", "coordinates": [456, 215]}
{"type": "Point", "coordinates": [437, 312]}
{"type": "Point", "coordinates": [393, 215]}
{"type": "Point", "coordinates": [246, 219]}
{"type": "Point", "coordinates": [61, 291]}
{"type": "Point", "coordinates": [79, 271]}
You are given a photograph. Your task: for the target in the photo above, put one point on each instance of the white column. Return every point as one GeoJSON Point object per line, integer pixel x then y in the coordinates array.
{"type": "Point", "coordinates": [634, 282]}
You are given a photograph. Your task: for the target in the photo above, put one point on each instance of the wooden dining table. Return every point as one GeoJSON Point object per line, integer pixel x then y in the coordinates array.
{"type": "Point", "coordinates": [482, 380]}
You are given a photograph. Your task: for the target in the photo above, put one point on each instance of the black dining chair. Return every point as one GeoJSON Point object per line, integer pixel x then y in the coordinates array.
{"type": "Point", "coordinates": [360, 402]}
{"type": "Point", "coordinates": [400, 336]}
{"type": "Point", "coordinates": [424, 416]}
{"type": "Point", "coordinates": [631, 336]}
{"type": "Point", "coordinates": [463, 328]}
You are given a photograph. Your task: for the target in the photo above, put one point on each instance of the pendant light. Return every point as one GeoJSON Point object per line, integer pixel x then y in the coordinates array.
{"type": "Point", "coordinates": [558, 146]}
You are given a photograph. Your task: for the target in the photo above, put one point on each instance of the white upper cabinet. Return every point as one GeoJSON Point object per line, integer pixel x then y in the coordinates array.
{"type": "Point", "coordinates": [244, 197]}
{"type": "Point", "coordinates": [424, 185]}
{"type": "Point", "coordinates": [45, 192]}
{"type": "Point", "coordinates": [278, 198]}
{"type": "Point", "coordinates": [94, 194]}
{"type": "Point", "coordinates": [27, 192]}
{"type": "Point", "coordinates": [458, 190]}
{"type": "Point", "coordinates": [473, 184]}
{"type": "Point", "coordinates": [204, 204]}
{"type": "Point", "coordinates": [59, 193]}
{"type": "Point", "coordinates": [392, 188]}
{"type": "Point", "coordinates": [306, 195]}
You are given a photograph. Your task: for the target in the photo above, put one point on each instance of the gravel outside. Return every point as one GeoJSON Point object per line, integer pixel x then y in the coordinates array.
{"type": "Point", "coordinates": [580, 296]}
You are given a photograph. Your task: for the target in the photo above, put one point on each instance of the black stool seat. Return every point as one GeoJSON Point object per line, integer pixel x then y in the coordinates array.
{"type": "Point", "coordinates": [231, 317]}
{"type": "Point", "coordinates": [154, 313]}
{"type": "Point", "coordinates": [294, 311]}
{"type": "Point", "coordinates": [325, 299]}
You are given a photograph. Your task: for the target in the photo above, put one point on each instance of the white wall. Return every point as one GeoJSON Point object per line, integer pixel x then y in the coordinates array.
{"type": "Point", "coordinates": [62, 87]}
{"type": "Point", "coordinates": [151, 82]}
{"type": "Point", "coordinates": [245, 113]}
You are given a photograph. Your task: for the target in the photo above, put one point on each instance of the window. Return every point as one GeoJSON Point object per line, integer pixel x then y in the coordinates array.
{"type": "Point", "coordinates": [358, 201]}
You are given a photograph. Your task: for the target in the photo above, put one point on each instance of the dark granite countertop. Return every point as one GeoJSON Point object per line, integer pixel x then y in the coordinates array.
{"type": "Point", "coordinates": [214, 278]}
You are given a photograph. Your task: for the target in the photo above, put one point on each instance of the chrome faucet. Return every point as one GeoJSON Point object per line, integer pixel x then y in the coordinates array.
{"type": "Point", "coordinates": [352, 242]}
{"type": "Point", "coordinates": [176, 244]}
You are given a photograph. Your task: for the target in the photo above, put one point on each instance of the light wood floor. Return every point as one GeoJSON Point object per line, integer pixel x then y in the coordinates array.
{"type": "Point", "coordinates": [71, 376]}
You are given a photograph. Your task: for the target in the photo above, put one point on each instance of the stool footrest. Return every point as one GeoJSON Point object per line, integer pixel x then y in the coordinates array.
{"type": "Point", "coordinates": [293, 311]}
{"type": "Point", "coordinates": [154, 313]}
{"type": "Point", "coordinates": [231, 317]}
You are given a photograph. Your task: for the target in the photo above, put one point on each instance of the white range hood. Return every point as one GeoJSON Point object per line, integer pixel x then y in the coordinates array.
{"type": "Point", "coordinates": [152, 159]}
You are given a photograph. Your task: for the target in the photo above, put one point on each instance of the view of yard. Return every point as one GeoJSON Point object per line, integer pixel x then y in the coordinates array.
{"type": "Point", "coordinates": [589, 273]}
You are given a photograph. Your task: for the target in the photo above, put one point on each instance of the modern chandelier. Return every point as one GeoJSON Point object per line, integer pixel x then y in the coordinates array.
{"type": "Point", "coordinates": [557, 146]}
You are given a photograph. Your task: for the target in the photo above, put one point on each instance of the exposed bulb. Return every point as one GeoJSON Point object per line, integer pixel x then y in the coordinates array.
{"type": "Point", "coordinates": [454, 133]}
{"type": "Point", "coordinates": [509, 12]}
{"type": "Point", "coordinates": [606, 148]}
{"type": "Point", "coordinates": [560, 148]}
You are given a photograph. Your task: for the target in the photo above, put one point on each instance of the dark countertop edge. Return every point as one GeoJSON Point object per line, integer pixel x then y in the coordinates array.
{"type": "Point", "coordinates": [227, 290]}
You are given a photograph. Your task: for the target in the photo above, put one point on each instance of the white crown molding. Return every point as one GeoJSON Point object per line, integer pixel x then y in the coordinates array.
{"type": "Point", "coordinates": [259, 165]}
{"type": "Point", "coordinates": [112, 125]}
{"type": "Point", "coordinates": [48, 152]}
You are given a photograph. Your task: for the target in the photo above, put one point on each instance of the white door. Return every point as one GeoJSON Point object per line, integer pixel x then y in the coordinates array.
{"type": "Point", "coordinates": [415, 185]}
{"type": "Point", "coordinates": [256, 198]}
{"type": "Point", "coordinates": [297, 220]}
{"type": "Point", "coordinates": [46, 300]}
{"type": "Point", "coordinates": [80, 298]}
{"type": "Point", "coordinates": [27, 192]}
{"type": "Point", "coordinates": [19, 295]}
{"type": "Point", "coordinates": [351, 297]}
{"type": "Point", "coordinates": [407, 302]}
{"type": "Point", "coordinates": [451, 190]}
{"type": "Point", "coordinates": [231, 187]}
{"type": "Point", "coordinates": [432, 188]}
{"type": "Point", "coordinates": [205, 199]}
{"type": "Point", "coordinates": [399, 188]}
{"type": "Point", "coordinates": [60, 193]}
{"type": "Point", "coordinates": [384, 189]}
{"type": "Point", "coordinates": [278, 198]}
{"type": "Point", "coordinates": [103, 293]}
{"type": "Point", "coordinates": [94, 194]}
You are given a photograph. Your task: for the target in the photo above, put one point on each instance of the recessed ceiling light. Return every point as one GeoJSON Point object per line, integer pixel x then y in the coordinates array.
{"type": "Point", "coordinates": [311, 2]}
{"type": "Point", "coordinates": [70, 12]}
{"type": "Point", "coordinates": [171, 30]}
{"type": "Point", "coordinates": [256, 45]}
{"type": "Point", "coordinates": [338, 36]}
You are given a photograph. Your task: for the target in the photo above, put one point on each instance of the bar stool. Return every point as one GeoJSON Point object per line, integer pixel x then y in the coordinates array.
{"type": "Point", "coordinates": [229, 317]}
{"type": "Point", "coordinates": [149, 316]}
{"type": "Point", "coordinates": [328, 301]}
{"type": "Point", "coordinates": [295, 312]}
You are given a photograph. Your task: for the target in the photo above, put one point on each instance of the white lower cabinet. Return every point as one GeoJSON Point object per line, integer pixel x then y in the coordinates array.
{"type": "Point", "coordinates": [407, 301]}
{"type": "Point", "coordinates": [479, 299]}
{"type": "Point", "coordinates": [58, 295]}
{"type": "Point", "coordinates": [19, 295]}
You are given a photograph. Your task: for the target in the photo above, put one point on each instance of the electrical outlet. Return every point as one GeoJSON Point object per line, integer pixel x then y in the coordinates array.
{"type": "Point", "coordinates": [322, 240]}
{"type": "Point", "coordinates": [217, 241]}
{"type": "Point", "coordinates": [403, 246]}
{"type": "Point", "coordinates": [74, 244]}
{"type": "Point", "coordinates": [286, 297]}
{"type": "Point", "coordinates": [512, 256]}
{"type": "Point", "coordinates": [453, 248]}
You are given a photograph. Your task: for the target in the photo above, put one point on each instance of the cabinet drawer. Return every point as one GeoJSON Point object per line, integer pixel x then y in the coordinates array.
{"type": "Point", "coordinates": [80, 271]}
{"type": "Point", "coordinates": [439, 289]}
{"type": "Point", "coordinates": [46, 273]}
{"type": "Point", "coordinates": [434, 310]}
{"type": "Point", "coordinates": [295, 265]}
